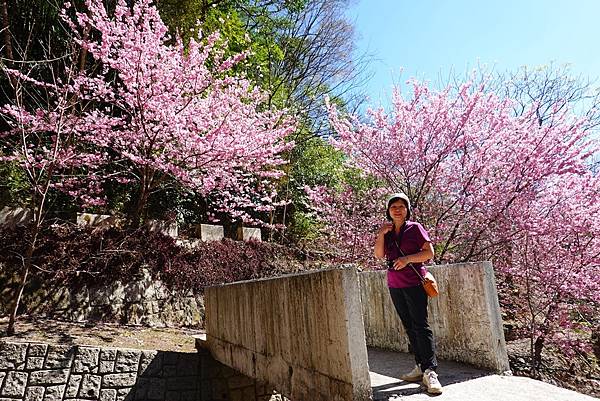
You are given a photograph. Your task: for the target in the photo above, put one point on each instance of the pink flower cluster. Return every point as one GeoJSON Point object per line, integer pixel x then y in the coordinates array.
{"type": "Point", "coordinates": [170, 112]}
{"type": "Point", "coordinates": [487, 185]}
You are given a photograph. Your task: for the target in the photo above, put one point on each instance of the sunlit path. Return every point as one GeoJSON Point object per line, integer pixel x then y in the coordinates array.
{"type": "Point", "coordinates": [461, 383]}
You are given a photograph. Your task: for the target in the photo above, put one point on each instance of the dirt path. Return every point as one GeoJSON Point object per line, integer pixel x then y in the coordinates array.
{"type": "Point", "coordinates": [101, 334]}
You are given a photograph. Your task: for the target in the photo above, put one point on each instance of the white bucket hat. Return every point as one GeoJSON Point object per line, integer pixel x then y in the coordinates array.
{"type": "Point", "coordinates": [394, 197]}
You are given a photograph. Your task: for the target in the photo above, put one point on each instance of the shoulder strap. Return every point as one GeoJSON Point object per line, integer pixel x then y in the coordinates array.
{"type": "Point", "coordinates": [399, 241]}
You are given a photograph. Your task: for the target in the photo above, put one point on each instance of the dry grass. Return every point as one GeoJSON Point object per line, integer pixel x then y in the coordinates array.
{"type": "Point", "coordinates": [101, 334]}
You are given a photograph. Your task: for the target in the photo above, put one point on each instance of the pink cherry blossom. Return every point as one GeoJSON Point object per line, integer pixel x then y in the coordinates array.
{"type": "Point", "coordinates": [486, 185]}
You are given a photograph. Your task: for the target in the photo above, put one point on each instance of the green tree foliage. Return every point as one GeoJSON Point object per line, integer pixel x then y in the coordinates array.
{"type": "Point", "coordinates": [13, 185]}
{"type": "Point", "coordinates": [300, 51]}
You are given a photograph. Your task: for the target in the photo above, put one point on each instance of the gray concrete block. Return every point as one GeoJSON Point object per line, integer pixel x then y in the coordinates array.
{"type": "Point", "coordinates": [182, 383]}
{"type": "Point", "coordinates": [54, 393]}
{"type": "Point", "coordinates": [465, 318]}
{"type": "Point", "coordinates": [119, 380]}
{"type": "Point", "coordinates": [169, 371]}
{"type": "Point", "coordinates": [34, 394]}
{"type": "Point", "coordinates": [170, 358]}
{"type": "Point", "coordinates": [210, 232]}
{"type": "Point", "coordinates": [141, 388]}
{"type": "Point", "coordinates": [15, 384]}
{"type": "Point", "coordinates": [91, 219]}
{"type": "Point", "coordinates": [106, 367]}
{"type": "Point", "coordinates": [127, 361]}
{"type": "Point", "coordinates": [86, 360]}
{"type": "Point", "coordinates": [174, 396]}
{"type": "Point", "coordinates": [73, 386]}
{"type": "Point", "coordinates": [251, 234]}
{"type": "Point", "coordinates": [90, 386]}
{"type": "Point", "coordinates": [37, 350]}
{"type": "Point", "coordinates": [187, 365]}
{"type": "Point", "coordinates": [58, 357]}
{"type": "Point", "coordinates": [149, 363]}
{"type": "Point", "coordinates": [167, 228]}
{"type": "Point", "coordinates": [34, 363]}
{"type": "Point", "coordinates": [15, 217]}
{"type": "Point", "coordinates": [191, 396]}
{"type": "Point", "coordinates": [156, 389]}
{"type": "Point", "coordinates": [51, 376]}
{"type": "Point", "coordinates": [12, 355]}
{"type": "Point", "coordinates": [124, 393]}
{"type": "Point", "coordinates": [108, 354]}
{"type": "Point", "coordinates": [303, 334]}
{"type": "Point", "coordinates": [108, 395]}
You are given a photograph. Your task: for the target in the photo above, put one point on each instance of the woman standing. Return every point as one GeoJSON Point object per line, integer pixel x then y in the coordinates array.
{"type": "Point", "coordinates": [406, 245]}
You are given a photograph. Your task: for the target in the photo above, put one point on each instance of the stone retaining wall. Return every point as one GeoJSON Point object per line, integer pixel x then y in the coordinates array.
{"type": "Point", "coordinates": [144, 300]}
{"type": "Point", "coordinates": [42, 372]}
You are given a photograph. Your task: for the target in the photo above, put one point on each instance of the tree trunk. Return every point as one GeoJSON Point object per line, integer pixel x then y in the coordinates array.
{"type": "Point", "coordinates": [83, 53]}
{"type": "Point", "coordinates": [537, 352]}
{"type": "Point", "coordinates": [6, 30]}
{"type": "Point", "coordinates": [142, 198]}
{"type": "Point", "coordinates": [136, 216]}
{"type": "Point", "coordinates": [7, 42]}
{"type": "Point", "coordinates": [10, 329]}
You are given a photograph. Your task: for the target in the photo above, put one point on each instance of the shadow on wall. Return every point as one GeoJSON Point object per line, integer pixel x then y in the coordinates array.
{"type": "Point", "coordinates": [172, 376]}
{"type": "Point", "coordinates": [34, 371]}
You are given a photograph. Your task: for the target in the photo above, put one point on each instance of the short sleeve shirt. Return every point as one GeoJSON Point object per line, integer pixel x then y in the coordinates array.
{"type": "Point", "coordinates": [410, 241]}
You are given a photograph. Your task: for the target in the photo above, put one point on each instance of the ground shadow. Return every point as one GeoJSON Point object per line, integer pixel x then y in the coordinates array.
{"type": "Point", "coordinates": [385, 368]}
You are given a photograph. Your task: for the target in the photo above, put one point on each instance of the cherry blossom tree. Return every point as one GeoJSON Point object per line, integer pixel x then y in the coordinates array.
{"type": "Point", "coordinates": [555, 265]}
{"type": "Point", "coordinates": [182, 115]}
{"type": "Point", "coordinates": [53, 146]}
{"type": "Point", "coordinates": [155, 111]}
{"type": "Point", "coordinates": [483, 182]}
{"type": "Point", "coordinates": [346, 215]}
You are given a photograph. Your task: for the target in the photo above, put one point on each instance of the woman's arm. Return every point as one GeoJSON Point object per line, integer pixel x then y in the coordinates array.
{"type": "Point", "coordinates": [423, 255]}
{"type": "Point", "coordinates": [379, 250]}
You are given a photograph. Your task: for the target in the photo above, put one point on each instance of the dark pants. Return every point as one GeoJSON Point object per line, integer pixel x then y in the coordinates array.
{"type": "Point", "coordinates": [411, 305]}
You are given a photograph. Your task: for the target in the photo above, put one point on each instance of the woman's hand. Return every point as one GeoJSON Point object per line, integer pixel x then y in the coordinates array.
{"type": "Point", "coordinates": [385, 228]}
{"type": "Point", "coordinates": [401, 263]}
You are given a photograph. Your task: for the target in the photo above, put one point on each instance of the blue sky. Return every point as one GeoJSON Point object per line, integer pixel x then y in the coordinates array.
{"type": "Point", "coordinates": [426, 38]}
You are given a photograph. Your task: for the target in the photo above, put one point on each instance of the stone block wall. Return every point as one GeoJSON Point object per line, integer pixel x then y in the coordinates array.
{"type": "Point", "coordinates": [43, 372]}
{"type": "Point", "coordinates": [144, 300]}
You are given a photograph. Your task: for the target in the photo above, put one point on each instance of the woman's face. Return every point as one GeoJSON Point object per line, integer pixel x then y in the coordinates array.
{"type": "Point", "coordinates": [398, 210]}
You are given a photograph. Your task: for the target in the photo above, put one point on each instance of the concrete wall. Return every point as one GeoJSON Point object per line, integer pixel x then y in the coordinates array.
{"type": "Point", "coordinates": [302, 333]}
{"type": "Point", "coordinates": [43, 372]}
{"type": "Point", "coordinates": [249, 233]}
{"type": "Point", "coordinates": [465, 317]}
{"type": "Point", "coordinates": [211, 232]}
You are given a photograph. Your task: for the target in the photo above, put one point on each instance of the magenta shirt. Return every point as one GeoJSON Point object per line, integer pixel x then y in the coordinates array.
{"type": "Point", "coordinates": [412, 240]}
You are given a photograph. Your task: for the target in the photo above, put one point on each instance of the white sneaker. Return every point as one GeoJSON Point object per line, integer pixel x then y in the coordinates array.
{"type": "Point", "coordinates": [413, 376]}
{"type": "Point", "coordinates": [430, 380]}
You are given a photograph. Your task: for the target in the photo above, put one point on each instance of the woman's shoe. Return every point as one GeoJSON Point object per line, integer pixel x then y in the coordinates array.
{"type": "Point", "coordinates": [413, 376]}
{"type": "Point", "coordinates": [430, 380]}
